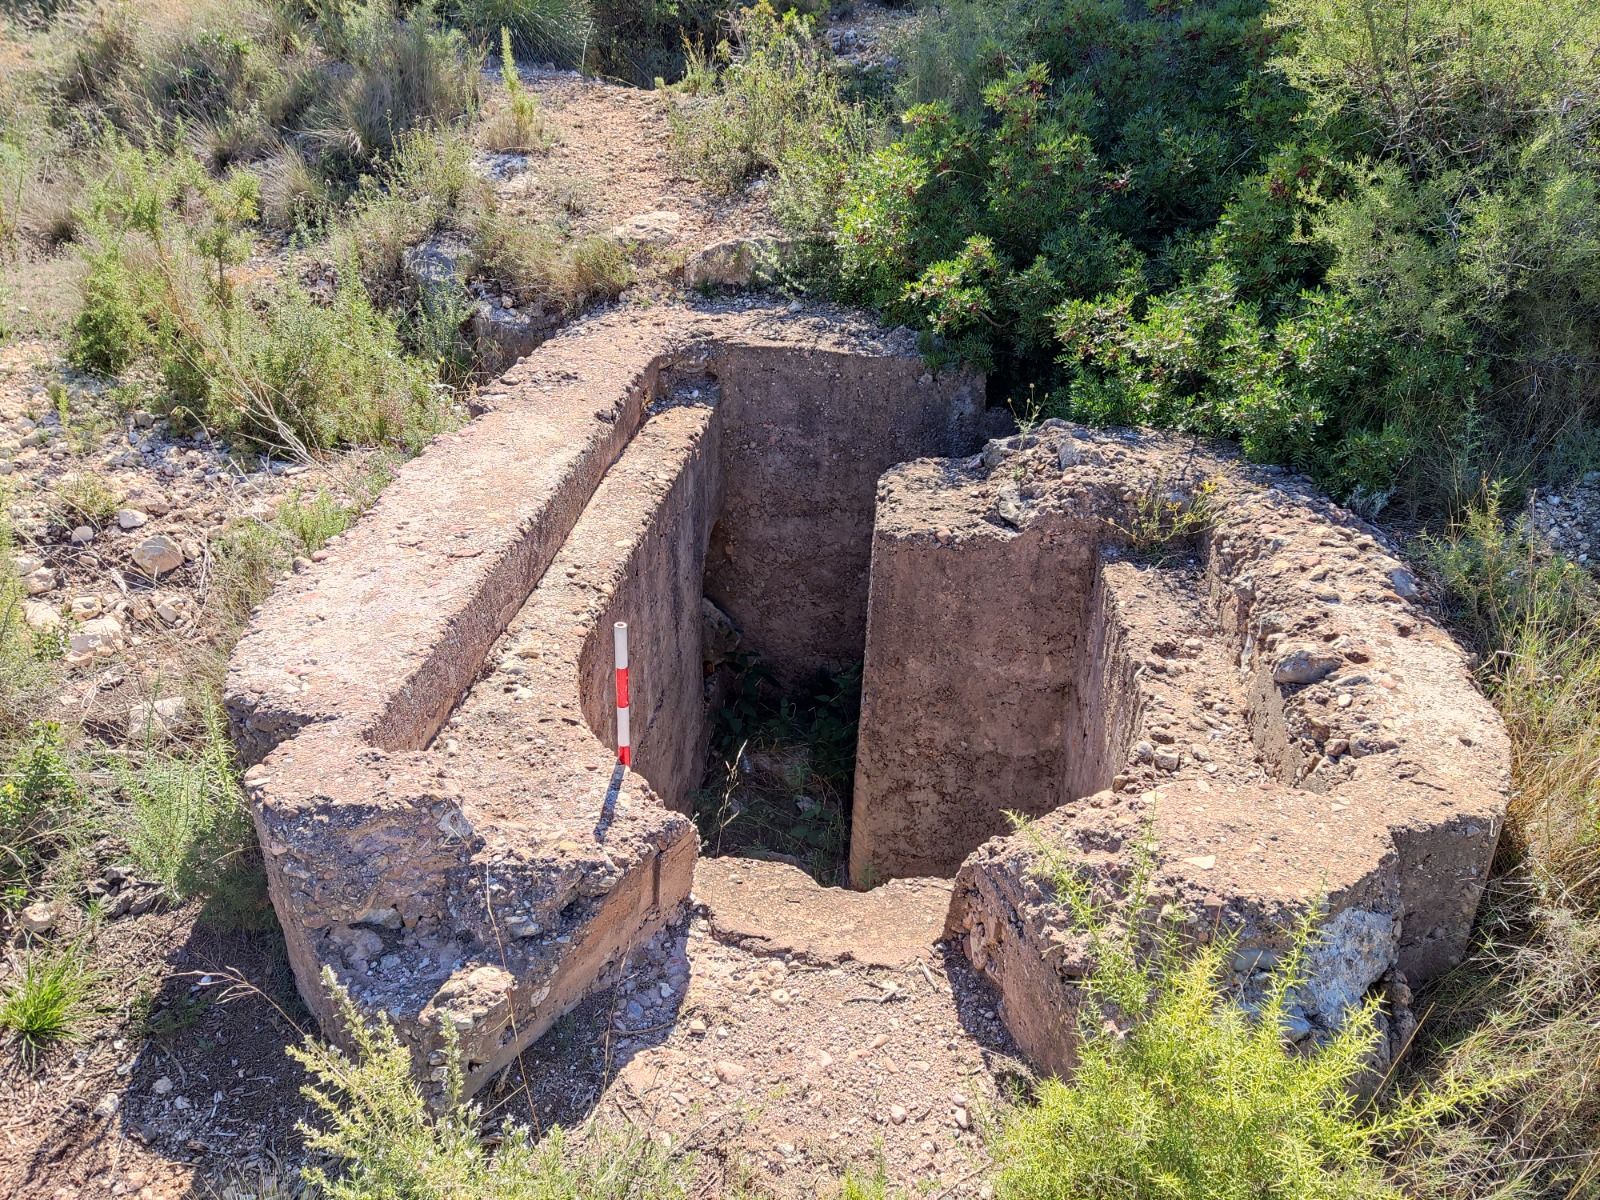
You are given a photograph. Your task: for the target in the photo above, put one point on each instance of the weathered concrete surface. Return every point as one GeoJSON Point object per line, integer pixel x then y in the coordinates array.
{"type": "Point", "coordinates": [1269, 697]}
{"type": "Point", "coordinates": [777, 908]}
{"type": "Point", "coordinates": [802, 450]}
{"type": "Point", "coordinates": [487, 877]}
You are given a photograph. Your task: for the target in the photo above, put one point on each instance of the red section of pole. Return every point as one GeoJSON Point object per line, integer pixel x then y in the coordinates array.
{"type": "Point", "coordinates": [624, 739]}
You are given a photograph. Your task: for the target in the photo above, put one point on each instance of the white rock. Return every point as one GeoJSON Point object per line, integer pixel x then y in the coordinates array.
{"type": "Point", "coordinates": [131, 518]}
{"type": "Point", "coordinates": [42, 916]}
{"type": "Point", "coordinates": [37, 583]}
{"type": "Point", "coordinates": [101, 636]}
{"type": "Point", "coordinates": [40, 615]}
{"type": "Point", "coordinates": [157, 555]}
{"type": "Point", "coordinates": [82, 535]}
{"type": "Point", "coordinates": [653, 228]}
{"type": "Point", "coordinates": [155, 720]}
{"type": "Point", "coordinates": [26, 564]}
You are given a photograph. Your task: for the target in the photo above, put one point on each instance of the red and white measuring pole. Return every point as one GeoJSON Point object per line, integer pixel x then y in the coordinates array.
{"type": "Point", "coordinates": [624, 749]}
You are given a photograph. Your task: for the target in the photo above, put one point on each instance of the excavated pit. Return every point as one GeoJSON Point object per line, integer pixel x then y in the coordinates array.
{"type": "Point", "coordinates": [429, 713]}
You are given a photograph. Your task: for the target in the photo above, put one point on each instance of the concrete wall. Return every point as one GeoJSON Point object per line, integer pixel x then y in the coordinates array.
{"type": "Point", "coordinates": [805, 437]}
{"type": "Point", "coordinates": [970, 703]}
{"type": "Point", "coordinates": [659, 598]}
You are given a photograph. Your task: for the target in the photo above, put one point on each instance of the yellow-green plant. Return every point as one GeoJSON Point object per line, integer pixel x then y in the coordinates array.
{"type": "Point", "coordinates": [376, 1125]}
{"type": "Point", "coordinates": [1181, 1092]}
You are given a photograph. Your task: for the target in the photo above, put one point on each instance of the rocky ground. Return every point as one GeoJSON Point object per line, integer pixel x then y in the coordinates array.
{"type": "Point", "coordinates": [1569, 521]}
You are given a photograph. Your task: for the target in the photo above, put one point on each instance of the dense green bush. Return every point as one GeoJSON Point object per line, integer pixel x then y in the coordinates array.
{"type": "Point", "coordinates": [1357, 237]}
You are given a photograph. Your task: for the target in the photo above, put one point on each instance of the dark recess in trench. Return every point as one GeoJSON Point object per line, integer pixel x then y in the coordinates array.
{"type": "Point", "coordinates": [780, 768]}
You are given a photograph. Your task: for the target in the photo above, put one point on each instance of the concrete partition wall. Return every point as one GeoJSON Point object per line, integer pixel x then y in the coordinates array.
{"type": "Point", "coordinates": [964, 719]}
{"type": "Point", "coordinates": [805, 437]}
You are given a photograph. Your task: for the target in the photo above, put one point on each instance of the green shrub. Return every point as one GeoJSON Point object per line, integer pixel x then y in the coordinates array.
{"type": "Point", "coordinates": [39, 794]}
{"type": "Point", "coordinates": [519, 125]}
{"type": "Point", "coordinates": [1181, 1091]}
{"type": "Point", "coordinates": [378, 1128]}
{"type": "Point", "coordinates": [407, 74]}
{"type": "Point", "coordinates": [109, 331]}
{"type": "Point", "coordinates": [308, 376]}
{"type": "Point", "coordinates": [537, 263]}
{"type": "Point", "coordinates": [778, 97]}
{"type": "Point", "coordinates": [27, 656]}
{"type": "Point", "coordinates": [550, 30]}
{"type": "Point", "coordinates": [184, 817]}
{"type": "Point", "coordinates": [86, 500]}
{"type": "Point", "coordinates": [312, 521]}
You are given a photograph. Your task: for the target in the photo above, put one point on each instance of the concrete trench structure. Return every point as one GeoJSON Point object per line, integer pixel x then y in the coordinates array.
{"type": "Point", "coordinates": [427, 714]}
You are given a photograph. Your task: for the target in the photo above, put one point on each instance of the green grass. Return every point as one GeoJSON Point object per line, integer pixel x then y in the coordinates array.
{"type": "Point", "coordinates": [50, 1001]}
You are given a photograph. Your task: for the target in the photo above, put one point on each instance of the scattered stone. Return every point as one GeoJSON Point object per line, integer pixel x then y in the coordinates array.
{"type": "Point", "coordinates": [157, 555]}
{"type": "Point", "coordinates": [651, 228]}
{"type": "Point", "coordinates": [82, 535]}
{"type": "Point", "coordinates": [42, 916]}
{"type": "Point", "coordinates": [1305, 665]}
{"type": "Point", "coordinates": [162, 1086]}
{"type": "Point", "coordinates": [156, 720]}
{"type": "Point", "coordinates": [100, 637]}
{"type": "Point", "coordinates": [131, 518]}
{"type": "Point", "coordinates": [730, 1072]}
{"type": "Point", "coordinates": [38, 582]}
{"type": "Point", "coordinates": [41, 616]}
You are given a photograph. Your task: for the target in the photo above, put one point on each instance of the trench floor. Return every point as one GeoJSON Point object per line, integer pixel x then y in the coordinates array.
{"type": "Point", "coordinates": [784, 1033]}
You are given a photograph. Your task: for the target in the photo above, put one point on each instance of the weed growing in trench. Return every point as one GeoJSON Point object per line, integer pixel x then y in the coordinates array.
{"type": "Point", "coordinates": [781, 772]}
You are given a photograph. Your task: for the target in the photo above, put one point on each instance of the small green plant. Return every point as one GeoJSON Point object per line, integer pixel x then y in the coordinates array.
{"type": "Point", "coordinates": [38, 796]}
{"type": "Point", "coordinates": [1165, 522]}
{"type": "Point", "coordinates": [50, 1000]}
{"type": "Point", "coordinates": [311, 521]}
{"type": "Point", "coordinates": [1180, 1091]}
{"type": "Point", "coordinates": [784, 767]}
{"type": "Point", "coordinates": [27, 656]}
{"type": "Point", "coordinates": [184, 817]}
{"type": "Point", "coordinates": [86, 500]}
{"type": "Point", "coordinates": [377, 1126]}
{"type": "Point", "coordinates": [519, 126]}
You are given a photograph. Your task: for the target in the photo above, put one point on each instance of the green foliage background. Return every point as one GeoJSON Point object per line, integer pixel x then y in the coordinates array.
{"type": "Point", "coordinates": [1360, 236]}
